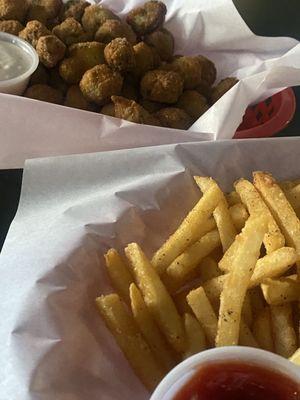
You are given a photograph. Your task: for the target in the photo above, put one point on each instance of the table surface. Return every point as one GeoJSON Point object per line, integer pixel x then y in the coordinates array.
{"type": "Point", "coordinates": [266, 18]}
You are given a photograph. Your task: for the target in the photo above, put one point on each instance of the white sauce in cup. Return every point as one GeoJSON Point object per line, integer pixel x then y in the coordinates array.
{"type": "Point", "coordinates": [14, 61]}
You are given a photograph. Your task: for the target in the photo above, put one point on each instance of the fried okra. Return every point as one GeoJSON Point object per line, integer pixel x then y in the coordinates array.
{"type": "Point", "coordinates": [172, 117]}
{"type": "Point", "coordinates": [162, 40]}
{"type": "Point", "coordinates": [132, 111]}
{"type": "Point", "coordinates": [71, 70]}
{"type": "Point", "coordinates": [44, 93]}
{"type": "Point", "coordinates": [161, 86]}
{"type": "Point", "coordinates": [50, 50]}
{"type": "Point", "coordinates": [74, 98]}
{"type": "Point", "coordinates": [100, 83]}
{"type": "Point", "coordinates": [193, 103]}
{"type": "Point", "coordinates": [151, 106]}
{"type": "Point", "coordinates": [145, 59]}
{"type": "Point", "coordinates": [33, 31]}
{"type": "Point", "coordinates": [11, 26]}
{"type": "Point", "coordinates": [73, 9]}
{"type": "Point", "coordinates": [40, 76]}
{"type": "Point", "coordinates": [13, 9]}
{"type": "Point", "coordinates": [94, 16]}
{"type": "Point", "coordinates": [119, 55]}
{"type": "Point", "coordinates": [70, 32]}
{"type": "Point", "coordinates": [189, 68]}
{"type": "Point", "coordinates": [112, 29]}
{"type": "Point", "coordinates": [209, 72]}
{"type": "Point", "coordinates": [44, 10]}
{"type": "Point", "coordinates": [147, 18]}
{"type": "Point", "coordinates": [222, 87]}
{"type": "Point", "coordinates": [108, 109]}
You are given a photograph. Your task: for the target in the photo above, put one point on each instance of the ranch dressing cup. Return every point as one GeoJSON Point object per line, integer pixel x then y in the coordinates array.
{"type": "Point", "coordinates": [18, 61]}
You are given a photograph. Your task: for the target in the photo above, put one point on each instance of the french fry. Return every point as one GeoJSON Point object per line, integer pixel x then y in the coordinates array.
{"type": "Point", "coordinates": [119, 274]}
{"type": "Point", "coordinates": [208, 269]}
{"type": "Point", "coordinates": [293, 196]}
{"type": "Point", "coordinates": [190, 230]}
{"type": "Point", "coordinates": [262, 330]}
{"type": "Point", "coordinates": [295, 358]}
{"type": "Point", "coordinates": [204, 313]}
{"type": "Point", "coordinates": [246, 337]}
{"type": "Point", "coordinates": [257, 300]}
{"type": "Point", "coordinates": [247, 314]}
{"type": "Point", "coordinates": [180, 269]}
{"type": "Point", "coordinates": [221, 213]}
{"type": "Point", "coordinates": [283, 330]}
{"type": "Point", "coordinates": [239, 216]}
{"type": "Point", "coordinates": [236, 284]}
{"type": "Point", "coordinates": [228, 258]}
{"type": "Point", "coordinates": [149, 329]}
{"type": "Point", "coordinates": [156, 297]}
{"type": "Point", "coordinates": [213, 289]}
{"type": "Point", "coordinates": [273, 265]}
{"type": "Point", "coordinates": [273, 239]}
{"type": "Point", "coordinates": [130, 340]}
{"type": "Point", "coordinates": [282, 290]}
{"type": "Point", "coordinates": [233, 198]}
{"type": "Point", "coordinates": [181, 301]}
{"type": "Point", "coordinates": [195, 336]}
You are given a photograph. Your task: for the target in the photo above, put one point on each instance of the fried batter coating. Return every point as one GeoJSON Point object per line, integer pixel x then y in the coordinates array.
{"type": "Point", "coordinates": [56, 81]}
{"type": "Point", "coordinates": [13, 9]}
{"type": "Point", "coordinates": [147, 18]}
{"type": "Point", "coordinates": [161, 86]}
{"type": "Point", "coordinates": [112, 29]}
{"type": "Point", "coordinates": [70, 32]}
{"type": "Point", "coordinates": [74, 98]}
{"type": "Point", "coordinates": [175, 118]}
{"type": "Point", "coordinates": [73, 9]}
{"type": "Point", "coordinates": [209, 72]}
{"type": "Point", "coordinates": [108, 109]}
{"type": "Point", "coordinates": [162, 40]}
{"type": "Point", "coordinates": [100, 83]}
{"type": "Point", "coordinates": [71, 70]}
{"type": "Point", "coordinates": [145, 59]}
{"type": "Point", "coordinates": [94, 16]}
{"type": "Point", "coordinates": [43, 10]}
{"type": "Point", "coordinates": [119, 55]}
{"type": "Point", "coordinates": [40, 76]}
{"type": "Point", "coordinates": [44, 93]}
{"type": "Point", "coordinates": [33, 31]}
{"type": "Point", "coordinates": [189, 68]}
{"type": "Point", "coordinates": [204, 89]}
{"type": "Point", "coordinates": [129, 90]}
{"type": "Point", "coordinates": [11, 26]}
{"type": "Point", "coordinates": [193, 103]}
{"type": "Point", "coordinates": [151, 106]}
{"type": "Point", "coordinates": [222, 87]}
{"type": "Point", "coordinates": [50, 50]}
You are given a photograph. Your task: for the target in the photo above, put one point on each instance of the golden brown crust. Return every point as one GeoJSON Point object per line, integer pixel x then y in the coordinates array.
{"type": "Point", "coordinates": [193, 103]}
{"type": "Point", "coordinates": [119, 55]}
{"type": "Point", "coordinates": [147, 18]}
{"type": "Point", "coordinates": [94, 16]}
{"type": "Point", "coordinates": [75, 99]}
{"type": "Point", "coordinates": [189, 68]}
{"type": "Point", "coordinates": [33, 31]}
{"type": "Point", "coordinates": [112, 29]}
{"type": "Point", "coordinates": [44, 93]}
{"type": "Point", "coordinates": [209, 72]}
{"type": "Point", "coordinates": [222, 87]}
{"type": "Point", "coordinates": [162, 40]}
{"type": "Point", "coordinates": [73, 9]}
{"type": "Point", "coordinates": [11, 26]}
{"type": "Point", "coordinates": [175, 118]}
{"type": "Point", "coordinates": [13, 9]}
{"type": "Point", "coordinates": [50, 50]}
{"type": "Point", "coordinates": [44, 10]}
{"type": "Point", "coordinates": [70, 32]}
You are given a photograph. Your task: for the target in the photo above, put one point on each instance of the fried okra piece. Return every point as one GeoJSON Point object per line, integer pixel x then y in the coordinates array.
{"type": "Point", "coordinates": [70, 32]}
{"type": "Point", "coordinates": [172, 117]}
{"type": "Point", "coordinates": [119, 55]}
{"type": "Point", "coordinates": [73, 9]}
{"type": "Point", "coordinates": [56, 81]}
{"type": "Point", "coordinates": [13, 9]}
{"type": "Point", "coordinates": [132, 111]}
{"type": "Point", "coordinates": [74, 98]}
{"type": "Point", "coordinates": [44, 10]}
{"type": "Point", "coordinates": [129, 90]}
{"type": "Point", "coordinates": [94, 16]}
{"type": "Point", "coordinates": [145, 59]}
{"type": "Point", "coordinates": [161, 86]}
{"type": "Point", "coordinates": [50, 50]}
{"type": "Point", "coordinates": [11, 26]}
{"type": "Point", "coordinates": [147, 18]}
{"type": "Point", "coordinates": [204, 89]}
{"type": "Point", "coordinates": [162, 40]}
{"type": "Point", "coordinates": [209, 72]}
{"type": "Point", "coordinates": [33, 31]}
{"type": "Point", "coordinates": [112, 29]}
{"type": "Point", "coordinates": [40, 76]}
{"type": "Point", "coordinates": [222, 87]}
{"type": "Point", "coordinates": [71, 70]}
{"type": "Point", "coordinates": [151, 106]}
{"type": "Point", "coordinates": [193, 103]}
{"type": "Point", "coordinates": [189, 68]}
{"type": "Point", "coordinates": [44, 93]}
{"type": "Point", "coordinates": [100, 83]}
{"type": "Point", "coordinates": [108, 109]}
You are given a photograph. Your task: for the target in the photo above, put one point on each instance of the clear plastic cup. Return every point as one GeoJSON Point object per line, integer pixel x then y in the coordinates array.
{"type": "Point", "coordinates": [182, 373]}
{"type": "Point", "coordinates": [18, 84]}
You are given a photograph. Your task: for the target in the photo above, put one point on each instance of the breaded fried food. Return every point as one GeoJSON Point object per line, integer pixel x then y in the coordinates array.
{"type": "Point", "coordinates": [94, 16]}
{"type": "Point", "coordinates": [209, 72]}
{"type": "Point", "coordinates": [74, 98]}
{"type": "Point", "coordinates": [147, 18]}
{"type": "Point", "coordinates": [108, 109]}
{"type": "Point", "coordinates": [132, 111]}
{"type": "Point", "coordinates": [175, 118]}
{"type": "Point", "coordinates": [70, 32]}
{"type": "Point", "coordinates": [163, 41]}
{"type": "Point", "coordinates": [151, 106]}
{"type": "Point", "coordinates": [44, 93]}
{"type": "Point", "coordinates": [204, 89]}
{"type": "Point", "coordinates": [129, 90]}
{"type": "Point", "coordinates": [40, 76]}
{"type": "Point", "coordinates": [43, 10]}
{"type": "Point", "coordinates": [222, 87]}
{"type": "Point", "coordinates": [73, 9]}
{"type": "Point", "coordinates": [161, 86]}
{"type": "Point", "coordinates": [56, 81]}
{"type": "Point", "coordinates": [145, 59]}
{"type": "Point", "coordinates": [71, 70]}
{"type": "Point", "coordinates": [119, 55]}
{"type": "Point", "coordinates": [33, 31]}
{"type": "Point", "coordinates": [100, 83]}
{"type": "Point", "coordinates": [112, 29]}
{"type": "Point", "coordinates": [11, 26]}
{"type": "Point", "coordinates": [189, 68]}
{"type": "Point", "coordinates": [13, 9]}
{"type": "Point", "coordinates": [50, 50]}
{"type": "Point", "coordinates": [193, 103]}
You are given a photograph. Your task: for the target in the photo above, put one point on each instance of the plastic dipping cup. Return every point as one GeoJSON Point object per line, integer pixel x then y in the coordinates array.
{"type": "Point", "coordinates": [18, 84]}
{"type": "Point", "coordinates": [182, 373]}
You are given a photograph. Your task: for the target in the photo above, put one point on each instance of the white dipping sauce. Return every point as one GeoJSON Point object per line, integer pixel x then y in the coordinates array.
{"type": "Point", "coordinates": [14, 61]}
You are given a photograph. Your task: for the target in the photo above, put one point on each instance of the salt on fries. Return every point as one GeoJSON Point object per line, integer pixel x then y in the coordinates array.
{"type": "Point", "coordinates": [226, 276]}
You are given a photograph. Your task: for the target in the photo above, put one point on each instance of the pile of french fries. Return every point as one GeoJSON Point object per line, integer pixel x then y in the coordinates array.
{"type": "Point", "coordinates": [229, 275]}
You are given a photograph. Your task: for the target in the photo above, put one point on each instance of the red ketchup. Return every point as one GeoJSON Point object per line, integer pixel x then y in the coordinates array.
{"type": "Point", "coordinates": [237, 381]}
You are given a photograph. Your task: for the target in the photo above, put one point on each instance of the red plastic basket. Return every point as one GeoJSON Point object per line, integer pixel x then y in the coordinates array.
{"type": "Point", "coordinates": [268, 117]}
